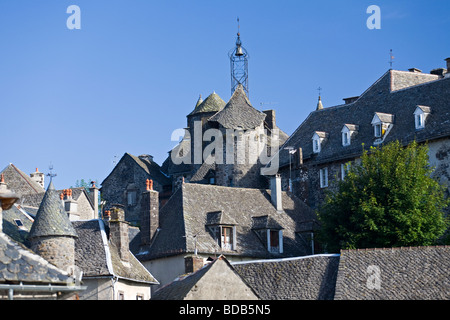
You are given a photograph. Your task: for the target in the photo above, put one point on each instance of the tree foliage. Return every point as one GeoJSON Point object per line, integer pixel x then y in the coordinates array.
{"type": "Point", "coordinates": [388, 199]}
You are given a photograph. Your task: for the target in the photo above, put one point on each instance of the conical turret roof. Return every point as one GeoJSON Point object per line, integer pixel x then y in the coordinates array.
{"type": "Point", "coordinates": [239, 113]}
{"type": "Point", "coordinates": [51, 218]}
{"type": "Point", "coordinates": [212, 103]}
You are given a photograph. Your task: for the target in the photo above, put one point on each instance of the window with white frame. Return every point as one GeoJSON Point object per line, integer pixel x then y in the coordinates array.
{"type": "Point", "coordinates": [323, 176]}
{"type": "Point", "coordinates": [420, 115]}
{"type": "Point", "coordinates": [317, 140]}
{"type": "Point", "coordinates": [225, 236]}
{"type": "Point", "coordinates": [275, 241]}
{"type": "Point", "coordinates": [382, 123]}
{"type": "Point", "coordinates": [348, 131]}
{"type": "Point", "coordinates": [345, 167]}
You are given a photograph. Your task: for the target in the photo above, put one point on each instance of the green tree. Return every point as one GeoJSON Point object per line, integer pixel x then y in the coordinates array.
{"type": "Point", "coordinates": [388, 199]}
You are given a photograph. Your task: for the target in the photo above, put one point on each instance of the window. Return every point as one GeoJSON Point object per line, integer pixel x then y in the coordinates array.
{"type": "Point", "coordinates": [323, 175]}
{"type": "Point", "coordinates": [378, 130]}
{"type": "Point", "coordinates": [317, 140]}
{"type": "Point", "coordinates": [131, 198]}
{"type": "Point", "coordinates": [120, 295]}
{"type": "Point", "coordinates": [346, 138]}
{"type": "Point", "coordinates": [345, 167]}
{"type": "Point", "coordinates": [420, 115]}
{"type": "Point", "coordinates": [227, 238]}
{"type": "Point", "coordinates": [139, 296]}
{"type": "Point", "coordinates": [275, 241]}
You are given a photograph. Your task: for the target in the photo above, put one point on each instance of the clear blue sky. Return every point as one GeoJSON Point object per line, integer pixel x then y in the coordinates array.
{"type": "Point", "coordinates": [128, 78]}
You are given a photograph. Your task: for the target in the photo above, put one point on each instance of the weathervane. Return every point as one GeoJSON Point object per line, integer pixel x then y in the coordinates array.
{"type": "Point", "coordinates": [391, 59]}
{"type": "Point", "coordinates": [51, 174]}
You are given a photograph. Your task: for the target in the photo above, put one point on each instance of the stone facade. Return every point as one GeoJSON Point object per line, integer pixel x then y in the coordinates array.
{"type": "Point", "coordinates": [59, 251]}
{"type": "Point", "coordinates": [394, 97]}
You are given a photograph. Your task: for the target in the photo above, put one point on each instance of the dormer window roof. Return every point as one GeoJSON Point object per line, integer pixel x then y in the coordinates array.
{"type": "Point", "coordinates": [318, 139]}
{"type": "Point", "coordinates": [382, 123]}
{"type": "Point", "coordinates": [348, 131]}
{"type": "Point", "coordinates": [420, 115]}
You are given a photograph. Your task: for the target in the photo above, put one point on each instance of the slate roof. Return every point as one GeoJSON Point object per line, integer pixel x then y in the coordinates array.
{"type": "Point", "coordinates": [397, 93]}
{"type": "Point", "coordinates": [97, 257]}
{"type": "Point", "coordinates": [407, 273]}
{"type": "Point", "coordinates": [150, 167]}
{"type": "Point", "coordinates": [51, 218]}
{"type": "Point", "coordinates": [19, 264]}
{"type": "Point", "coordinates": [184, 219]}
{"type": "Point", "coordinates": [239, 113]}
{"type": "Point", "coordinates": [213, 103]}
{"type": "Point", "coordinates": [19, 182]}
{"type": "Point", "coordinates": [300, 278]}
{"type": "Point", "coordinates": [181, 286]}
{"type": "Point", "coordinates": [10, 227]}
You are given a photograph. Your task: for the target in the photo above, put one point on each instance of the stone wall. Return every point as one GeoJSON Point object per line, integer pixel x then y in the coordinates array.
{"type": "Point", "coordinates": [59, 251]}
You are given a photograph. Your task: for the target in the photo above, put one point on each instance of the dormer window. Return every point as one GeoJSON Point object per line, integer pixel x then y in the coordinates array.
{"type": "Point", "coordinates": [420, 115]}
{"type": "Point", "coordinates": [270, 232]}
{"type": "Point", "coordinates": [382, 124]}
{"type": "Point", "coordinates": [348, 131]}
{"type": "Point", "coordinates": [318, 139]}
{"type": "Point", "coordinates": [223, 228]}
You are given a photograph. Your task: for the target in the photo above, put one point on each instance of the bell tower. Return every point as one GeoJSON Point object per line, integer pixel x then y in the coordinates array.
{"type": "Point", "coordinates": [239, 65]}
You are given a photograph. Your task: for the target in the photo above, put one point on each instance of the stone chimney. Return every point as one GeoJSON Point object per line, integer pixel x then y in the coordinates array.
{"type": "Point", "coordinates": [192, 263]}
{"type": "Point", "coordinates": [70, 205]}
{"type": "Point", "coordinates": [149, 213]}
{"type": "Point", "coordinates": [275, 192]}
{"type": "Point", "coordinates": [93, 194]}
{"type": "Point", "coordinates": [270, 118]}
{"type": "Point", "coordinates": [118, 233]}
{"type": "Point", "coordinates": [38, 177]}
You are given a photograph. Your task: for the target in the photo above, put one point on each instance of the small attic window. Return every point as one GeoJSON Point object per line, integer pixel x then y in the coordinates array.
{"type": "Point", "coordinates": [19, 224]}
{"type": "Point", "coordinates": [420, 115]}
{"type": "Point", "coordinates": [317, 140]}
{"type": "Point", "coordinates": [347, 132]}
{"type": "Point", "coordinates": [382, 123]}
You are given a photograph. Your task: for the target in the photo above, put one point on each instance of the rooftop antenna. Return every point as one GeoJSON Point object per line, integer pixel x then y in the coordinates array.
{"type": "Point", "coordinates": [51, 174]}
{"type": "Point", "coordinates": [391, 59]}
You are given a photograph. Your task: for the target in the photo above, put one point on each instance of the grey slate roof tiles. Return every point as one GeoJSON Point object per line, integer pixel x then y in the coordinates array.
{"type": "Point", "coordinates": [51, 218]}
{"type": "Point", "coordinates": [184, 220]}
{"type": "Point", "coordinates": [302, 278]}
{"type": "Point", "coordinates": [396, 93]}
{"type": "Point", "coordinates": [239, 113]}
{"type": "Point", "coordinates": [19, 264]}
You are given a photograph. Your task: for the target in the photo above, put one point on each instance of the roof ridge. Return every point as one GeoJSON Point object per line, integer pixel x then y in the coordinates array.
{"type": "Point", "coordinates": [395, 248]}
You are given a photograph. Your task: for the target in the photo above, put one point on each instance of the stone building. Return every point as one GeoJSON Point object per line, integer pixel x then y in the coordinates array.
{"type": "Point", "coordinates": [127, 181]}
{"type": "Point", "coordinates": [225, 143]}
{"type": "Point", "coordinates": [401, 105]}
{"type": "Point", "coordinates": [217, 280]}
{"type": "Point", "coordinates": [202, 221]}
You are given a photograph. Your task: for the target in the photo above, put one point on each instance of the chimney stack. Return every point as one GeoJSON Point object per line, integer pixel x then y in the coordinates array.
{"type": "Point", "coordinates": [270, 119]}
{"type": "Point", "coordinates": [448, 65]}
{"type": "Point", "coordinates": [118, 234]}
{"type": "Point", "coordinates": [275, 192]}
{"type": "Point", "coordinates": [7, 199]}
{"type": "Point", "coordinates": [93, 194]}
{"type": "Point", "coordinates": [70, 205]}
{"type": "Point", "coordinates": [38, 177]}
{"type": "Point", "coordinates": [149, 213]}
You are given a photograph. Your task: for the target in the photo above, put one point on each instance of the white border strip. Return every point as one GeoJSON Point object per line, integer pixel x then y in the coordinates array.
{"type": "Point", "coordinates": [286, 259]}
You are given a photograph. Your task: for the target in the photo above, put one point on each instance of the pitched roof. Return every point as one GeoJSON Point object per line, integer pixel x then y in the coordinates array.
{"type": "Point", "coordinates": [20, 182]}
{"type": "Point", "coordinates": [51, 218]}
{"type": "Point", "coordinates": [184, 219]}
{"type": "Point", "coordinates": [403, 274]}
{"type": "Point", "coordinates": [213, 103]}
{"type": "Point", "coordinates": [239, 113]}
{"type": "Point", "coordinates": [96, 256]}
{"type": "Point", "coordinates": [181, 287]}
{"type": "Point", "coordinates": [396, 93]}
{"type": "Point", "coordinates": [300, 278]}
{"type": "Point", "coordinates": [19, 264]}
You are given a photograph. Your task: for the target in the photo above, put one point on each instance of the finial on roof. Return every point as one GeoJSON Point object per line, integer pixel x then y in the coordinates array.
{"type": "Point", "coordinates": [319, 103]}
